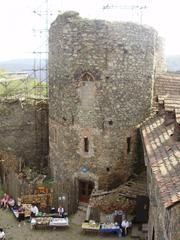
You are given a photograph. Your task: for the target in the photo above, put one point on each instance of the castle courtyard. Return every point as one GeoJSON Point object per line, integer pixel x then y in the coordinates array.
{"type": "Point", "coordinates": [74, 232]}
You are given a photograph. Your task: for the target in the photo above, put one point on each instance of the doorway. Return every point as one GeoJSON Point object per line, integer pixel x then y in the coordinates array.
{"type": "Point", "coordinates": [85, 189]}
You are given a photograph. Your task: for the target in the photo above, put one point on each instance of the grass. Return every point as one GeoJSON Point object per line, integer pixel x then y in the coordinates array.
{"type": "Point", "coordinates": [23, 88]}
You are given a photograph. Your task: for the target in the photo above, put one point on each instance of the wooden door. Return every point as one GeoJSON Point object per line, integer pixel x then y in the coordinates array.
{"type": "Point", "coordinates": [85, 189]}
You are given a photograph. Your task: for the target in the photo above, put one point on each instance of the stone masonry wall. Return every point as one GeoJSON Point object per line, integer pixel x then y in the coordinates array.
{"type": "Point", "coordinates": [164, 222]}
{"type": "Point", "coordinates": [100, 82]}
{"type": "Point", "coordinates": [24, 131]}
{"type": "Point", "coordinates": [160, 59]}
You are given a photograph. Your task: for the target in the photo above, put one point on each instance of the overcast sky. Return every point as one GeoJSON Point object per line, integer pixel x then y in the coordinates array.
{"type": "Point", "coordinates": [17, 21]}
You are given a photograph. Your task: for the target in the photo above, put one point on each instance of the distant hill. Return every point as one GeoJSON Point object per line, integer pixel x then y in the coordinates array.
{"type": "Point", "coordinates": [27, 65]}
{"type": "Point", "coordinates": [24, 65]}
{"type": "Point", "coordinates": [173, 63]}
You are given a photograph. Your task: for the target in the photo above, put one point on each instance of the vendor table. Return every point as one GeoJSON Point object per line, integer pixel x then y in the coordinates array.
{"type": "Point", "coordinates": [27, 208]}
{"type": "Point", "coordinates": [49, 222]}
{"type": "Point", "coordinates": [110, 228]}
{"type": "Point", "coordinates": [59, 222]}
{"type": "Point", "coordinates": [91, 226]}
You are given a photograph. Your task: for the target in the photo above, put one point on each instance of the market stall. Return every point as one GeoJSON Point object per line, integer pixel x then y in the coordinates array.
{"type": "Point", "coordinates": [40, 222]}
{"type": "Point", "coordinates": [59, 222]}
{"type": "Point", "coordinates": [48, 221]}
{"type": "Point", "coordinates": [110, 228]}
{"type": "Point", "coordinates": [27, 210]}
{"type": "Point", "coordinates": [91, 226]}
{"type": "Point", "coordinates": [43, 200]}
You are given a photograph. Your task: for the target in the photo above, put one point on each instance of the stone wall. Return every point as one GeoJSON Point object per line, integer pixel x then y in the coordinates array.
{"type": "Point", "coordinates": [100, 82]}
{"type": "Point", "coordinates": [24, 131]}
{"type": "Point", "coordinates": [163, 222]}
{"type": "Point", "coordinates": [160, 59]}
{"type": "Point", "coordinates": [18, 180]}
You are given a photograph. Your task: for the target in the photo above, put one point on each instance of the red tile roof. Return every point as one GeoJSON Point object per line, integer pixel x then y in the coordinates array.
{"type": "Point", "coordinates": [167, 85]}
{"type": "Point", "coordinates": [164, 158]}
{"type": "Point", "coordinates": [162, 150]}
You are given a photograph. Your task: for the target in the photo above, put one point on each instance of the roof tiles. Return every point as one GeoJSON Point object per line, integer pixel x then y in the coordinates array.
{"type": "Point", "coordinates": [164, 158]}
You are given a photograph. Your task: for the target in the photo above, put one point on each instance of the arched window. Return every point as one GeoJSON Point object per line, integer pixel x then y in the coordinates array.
{"type": "Point", "coordinates": [87, 77]}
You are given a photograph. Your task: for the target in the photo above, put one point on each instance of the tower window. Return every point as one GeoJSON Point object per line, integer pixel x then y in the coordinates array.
{"type": "Point", "coordinates": [110, 122]}
{"type": "Point", "coordinates": [128, 144]}
{"type": "Point", "coordinates": [86, 144]}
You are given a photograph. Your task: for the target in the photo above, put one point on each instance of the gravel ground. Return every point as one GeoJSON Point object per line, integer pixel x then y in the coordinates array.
{"type": "Point", "coordinates": [24, 232]}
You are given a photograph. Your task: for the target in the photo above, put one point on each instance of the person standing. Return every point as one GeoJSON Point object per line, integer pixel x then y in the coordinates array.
{"type": "Point", "coordinates": [61, 211]}
{"type": "Point", "coordinates": [125, 226]}
{"type": "Point", "coordinates": [11, 202]}
{"type": "Point", "coordinates": [2, 234]}
{"type": "Point", "coordinates": [4, 201]}
{"type": "Point", "coordinates": [34, 210]}
{"type": "Point", "coordinates": [21, 214]}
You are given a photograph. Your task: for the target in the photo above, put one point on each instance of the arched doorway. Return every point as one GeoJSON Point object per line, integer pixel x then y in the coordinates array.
{"type": "Point", "coordinates": [85, 190]}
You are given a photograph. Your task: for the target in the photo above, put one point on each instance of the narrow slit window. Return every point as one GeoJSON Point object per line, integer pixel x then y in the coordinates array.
{"type": "Point", "coordinates": [128, 144]}
{"type": "Point", "coordinates": [86, 144]}
{"type": "Point", "coordinates": [110, 122]}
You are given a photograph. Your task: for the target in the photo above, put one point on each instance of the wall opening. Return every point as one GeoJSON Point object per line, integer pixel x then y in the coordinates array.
{"type": "Point", "coordinates": [86, 144]}
{"type": "Point", "coordinates": [64, 118]}
{"type": "Point", "coordinates": [110, 122]}
{"type": "Point", "coordinates": [153, 235]}
{"type": "Point", "coordinates": [128, 144]}
{"type": "Point", "coordinates": [85, 189]}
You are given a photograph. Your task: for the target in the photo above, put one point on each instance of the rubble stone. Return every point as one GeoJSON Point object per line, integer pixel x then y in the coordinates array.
{"type": "Point", "coordinates": [100, 81]}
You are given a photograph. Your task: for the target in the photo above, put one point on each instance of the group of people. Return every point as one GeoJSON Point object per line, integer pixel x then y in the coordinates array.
{"type": "Point", "coordinates": [7, 201]}
{"type": "Point", "coordinates": [60, 211]}
{"type": "Point", "coordinates": [120, 219]}
{"type": "Point", "coordinates": [21, 212]}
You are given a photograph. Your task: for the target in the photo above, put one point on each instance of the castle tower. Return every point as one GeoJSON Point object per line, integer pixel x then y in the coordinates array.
{"type": "Point", "coordinates": [100, 83]}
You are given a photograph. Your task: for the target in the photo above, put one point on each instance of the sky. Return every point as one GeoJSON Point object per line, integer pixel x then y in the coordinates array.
{"type": "Point", "coordinates": [22, 29]}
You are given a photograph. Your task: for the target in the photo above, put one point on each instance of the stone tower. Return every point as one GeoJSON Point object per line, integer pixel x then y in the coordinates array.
{"type": "Point", "coordinates": [100, 86]}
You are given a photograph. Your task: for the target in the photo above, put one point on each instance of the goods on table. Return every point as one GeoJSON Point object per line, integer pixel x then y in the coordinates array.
{"type": "Point", "coordinates": [109, 226]}
{"type": "Point", "coordinates": [103, 228]}
{"type": "Point", "coordinates": [91, 225]}
{"type": "Point", "coordinates": [49, 221]}
{"type": "Point", "coordinates": [42, 199]}
{"type": "Point", "coordinates": [40, 221]}
{"type": "Point", "coordinates": [27, 208]}
{"type": "Point", "coordinates": [59, 222]}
